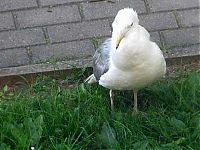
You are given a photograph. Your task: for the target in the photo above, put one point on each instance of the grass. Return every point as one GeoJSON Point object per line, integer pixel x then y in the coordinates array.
{"type": "Point", "coordinates": [50, 115]}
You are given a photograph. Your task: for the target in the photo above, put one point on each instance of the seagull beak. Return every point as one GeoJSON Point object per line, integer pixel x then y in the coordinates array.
{"type": "Point", "coordinates": [119, 38]}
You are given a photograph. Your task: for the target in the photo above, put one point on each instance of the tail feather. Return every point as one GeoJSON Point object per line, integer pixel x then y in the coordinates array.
{"type": "Point", "coordinates": [91, 79]}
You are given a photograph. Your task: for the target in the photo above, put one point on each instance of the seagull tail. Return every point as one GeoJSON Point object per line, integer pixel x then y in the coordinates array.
{"type": "Point", "coordinates": [91, 79]}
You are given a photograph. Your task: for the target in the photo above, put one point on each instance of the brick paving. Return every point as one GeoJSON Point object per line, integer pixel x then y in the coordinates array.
{"type": "Point", "coordinates": [40, 31]}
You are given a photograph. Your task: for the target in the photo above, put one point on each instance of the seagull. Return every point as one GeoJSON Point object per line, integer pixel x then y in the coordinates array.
{"type": "Point", "coordinates": [128, 60]}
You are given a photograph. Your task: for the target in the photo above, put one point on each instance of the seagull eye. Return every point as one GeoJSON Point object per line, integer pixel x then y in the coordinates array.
{"type": "Point", "coordinates": [130, 25]}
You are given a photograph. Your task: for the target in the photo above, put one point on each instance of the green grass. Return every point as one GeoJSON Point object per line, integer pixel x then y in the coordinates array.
{"type": "Point", "coordinates": [48, 115]}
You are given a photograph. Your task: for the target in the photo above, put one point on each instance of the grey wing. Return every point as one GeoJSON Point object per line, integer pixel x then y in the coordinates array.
{"type": "Point", "coordinates": [101, 59]}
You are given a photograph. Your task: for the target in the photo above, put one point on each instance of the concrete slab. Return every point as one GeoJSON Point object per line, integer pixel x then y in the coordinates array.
{"type": "Point", "coordinates": [19, 38]}
{"type": "Point", "coordinates": [20, 57]}
{"type": "Point", "coordinates": [6, 22]}
{"type": "Point", "coordinates": [189, 18]}
{"type": "Point", "coordinates": [64, 51]}
{"type": "Point", "coordinates": [46, 16]}
{"type": "Point", "coordinates": [8, 5]}
{"type": "Point", "coordinates": [193, 50]}
{"type": "Point", "coordinates": [158, 21]}
{"type": "Point", "coordinates": [167, 5]}
{"type": "Point", "coordinates": [103, 9]}
{"type": "Point", "coordinates": [77, 31]}
{"type": "Point", "coordinates": [181, 37]}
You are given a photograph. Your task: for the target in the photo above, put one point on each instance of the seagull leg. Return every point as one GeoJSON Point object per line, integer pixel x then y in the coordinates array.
{"type": "Point", "coordinates": [111, 99]}
{"type": "Point", "coordinates": [135, 101]}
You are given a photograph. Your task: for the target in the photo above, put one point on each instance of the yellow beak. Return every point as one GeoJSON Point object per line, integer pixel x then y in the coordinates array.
{"type": "Point", "coordinates": [119, 38]}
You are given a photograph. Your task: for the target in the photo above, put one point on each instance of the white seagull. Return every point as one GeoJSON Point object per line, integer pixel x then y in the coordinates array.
{"type": "Point", "coordinates": [128, 60]}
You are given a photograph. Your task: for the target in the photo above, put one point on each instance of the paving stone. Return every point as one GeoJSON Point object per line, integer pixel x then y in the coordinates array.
{"type": "Point", "coordinates": [158, 21]}
{"type": "Point", "coordinates": [45, 67]}
{"type": "Point", "coordinates": [182, 37]}
{"type": "Point", "coordinates": [9, 60]}
{"type": "Point", "coordinates": [46, 16]}
{"type": "Point", "coordinates": [6, 21]}
{"type": "Point", "coordinates": [184, 51]}
{"type": "Point", "coordinates": [78, 31]}
{"type": "Point", "coordinates": [107, 9]}
{"type": "Point", "coordinates": [189, 18]}
{"type": "Point", "coordinates": [55, 2]}
{"type": "Point", "coordinates": [66, 51]}
{"type": "Point", "coordinates": [163, 5]}
{"type": "Point", "coordinates": [11, 39]}
{"type": "Point", "coordinates": [6, 5]}
{"type": "Point", "coordinates": [154, 36]}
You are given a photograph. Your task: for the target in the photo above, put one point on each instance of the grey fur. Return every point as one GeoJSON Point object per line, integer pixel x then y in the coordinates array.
{"type": "Point", "coordinates": [101, 59]}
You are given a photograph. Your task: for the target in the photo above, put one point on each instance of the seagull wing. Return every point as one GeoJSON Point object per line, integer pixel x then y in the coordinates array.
{"type": "Point", "coordinates": [101, 59]}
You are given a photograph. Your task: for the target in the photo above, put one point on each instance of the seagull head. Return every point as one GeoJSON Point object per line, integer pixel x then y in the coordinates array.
{"type": "Point", "coordinates": [125, 19]}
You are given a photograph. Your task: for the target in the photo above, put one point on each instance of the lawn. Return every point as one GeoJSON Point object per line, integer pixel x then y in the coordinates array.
{"type": "Point", "coordinates": [49, 114]}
